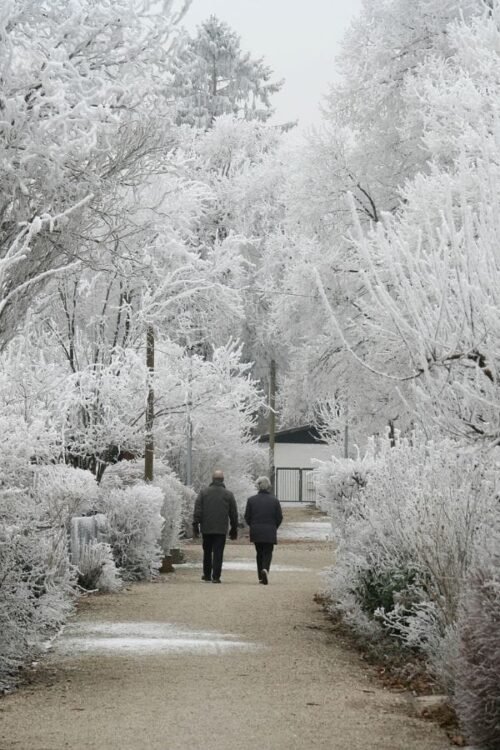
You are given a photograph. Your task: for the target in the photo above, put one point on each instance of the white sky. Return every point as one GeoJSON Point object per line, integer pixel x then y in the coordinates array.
{"type": "Point", "coordinates": [297, 38]}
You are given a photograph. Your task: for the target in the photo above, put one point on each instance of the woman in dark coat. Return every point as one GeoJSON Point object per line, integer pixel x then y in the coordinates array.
{"type": "Point", "coordinates": [263, 514]}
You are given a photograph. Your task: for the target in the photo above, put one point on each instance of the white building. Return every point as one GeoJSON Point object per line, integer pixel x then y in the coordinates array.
{"type": "Point", "coordinates": [294, 450]}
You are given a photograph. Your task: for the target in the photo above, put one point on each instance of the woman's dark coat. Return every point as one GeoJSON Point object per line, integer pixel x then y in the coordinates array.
{"type": "Point", "coordinates": [263, 514]}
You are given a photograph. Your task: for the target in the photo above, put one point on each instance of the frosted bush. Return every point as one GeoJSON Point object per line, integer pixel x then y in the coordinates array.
{"type": "Point", "coordinates": [96, 568]}
{"type": "Point", "coordinates": [339, 480]}
{"type": "Point", "coordinates": [135, 527]}
{"type": "Point", "coordinates": [123, 474]}
{"type": "Point", "coordinates": [64, 491]}
{"type": "Point", "coordinates": [407, 540]}
{"type": "Point", "coordinates": [176, 510]}
{"type": "Point", "coordinates": [178, 502]}
{"type": "Point", "coordinates": [22, 446]}
{"type": "Point", "coordinates": [36, 577]}
{"type": "Point", "coordinates": [36, 588]}
{"type": "Point", "coordinates": [477, 661]}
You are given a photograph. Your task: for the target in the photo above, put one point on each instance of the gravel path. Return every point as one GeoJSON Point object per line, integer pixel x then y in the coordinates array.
{"type": "Point", "coordinates": [184, 664]}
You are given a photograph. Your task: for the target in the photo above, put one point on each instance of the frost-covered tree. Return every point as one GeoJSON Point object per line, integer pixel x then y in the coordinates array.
{"type": "Point", "coordinates": [222, 401]}
{"type": "Point", "coordinates": [213, 76]}
{"type": "Point", "coordinates": [244, 165]}
{"type": "Point", "coordinates": [431, 274]}
{"type": "Point", "coordinates": [424, 326]}
{"type": "Point", "coordinates": [81, 116]}
{"type": "Point", "coordinates": [374, 139]}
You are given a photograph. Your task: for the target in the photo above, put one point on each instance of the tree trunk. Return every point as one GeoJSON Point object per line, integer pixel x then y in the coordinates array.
{"type": "Point", "coordinates": [272, 421]}
{"type": "Point", "coordinates": [149, 451]}
{"type": "Point", "coordinates": [346, 431]}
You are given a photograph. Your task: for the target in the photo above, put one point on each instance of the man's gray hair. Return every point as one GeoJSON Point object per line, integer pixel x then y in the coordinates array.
{"type": "Point", "coordinates": [263, 483]}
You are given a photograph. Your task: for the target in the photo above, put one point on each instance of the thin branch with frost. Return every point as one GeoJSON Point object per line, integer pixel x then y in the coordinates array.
{"type": "Point", "coordinates": [347, 346]}
{"type": "Point", "coordinates": [19, 250]}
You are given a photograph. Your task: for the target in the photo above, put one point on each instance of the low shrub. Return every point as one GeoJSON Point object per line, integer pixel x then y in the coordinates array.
{"type": "Point", "coordinates": [64, 492]}
{"type": "Point", "coordinates": [37, 580]}
{"type": "Point", "coordinates": [135, 528]}
{"type": "Point", "coordinates": [178, 500]}
{"type": "Point", "coordinates": [341, 480]}
{"type": "Point", "coordinates": [407, 537]}
{"type": "Point", "coordinates": [383, 590]}
{"type": "Point", "coordinates": [477, 687]}
{"type": "Point", "coordinates": [96, 568]}
{"type": "Point", "coordinates": [36, 590]}
{"type": "Point", "coordinates": [176, 510]}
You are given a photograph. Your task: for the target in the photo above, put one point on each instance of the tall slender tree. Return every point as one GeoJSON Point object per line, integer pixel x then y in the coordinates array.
{"type": "Point", "coordinates": [214, 76]}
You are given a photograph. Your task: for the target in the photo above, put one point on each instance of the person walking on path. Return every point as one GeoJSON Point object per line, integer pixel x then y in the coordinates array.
{"type": "Point", "coordinates": [215, 509]}
{"type": "Point", "coordinates": [264, 516]}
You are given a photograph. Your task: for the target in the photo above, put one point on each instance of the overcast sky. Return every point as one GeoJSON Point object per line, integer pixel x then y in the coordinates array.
{"type": "Point", "coordinates": [298, 39]}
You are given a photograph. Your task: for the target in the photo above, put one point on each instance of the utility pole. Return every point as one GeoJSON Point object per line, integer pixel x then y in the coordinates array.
{"type": "Point", "coordinates": [189, 449]}
{"type": "Point", "coordinates": [149, 451]}
{"type": "Point", "coordinates": [272, 421]}
{"type": "Point", "coordinates": [189, 426]}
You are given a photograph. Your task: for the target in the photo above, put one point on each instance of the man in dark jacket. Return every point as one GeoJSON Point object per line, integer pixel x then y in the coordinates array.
{"type": "Point", "coordinates": [214, 510]}
{"type": "Point", "coordinates": [264, 516]}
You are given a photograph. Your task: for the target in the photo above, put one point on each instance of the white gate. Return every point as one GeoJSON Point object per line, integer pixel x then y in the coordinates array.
{"type": "Point", "coordinates": [295, 485]}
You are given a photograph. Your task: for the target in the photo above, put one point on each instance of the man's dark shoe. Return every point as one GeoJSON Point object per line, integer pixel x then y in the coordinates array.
{"type": "Point", "coordinates": [204, 578]}
{"type": "Point", "coordinates": [264, 578]}
{"type": "Point", "coordinates": [216, 580]}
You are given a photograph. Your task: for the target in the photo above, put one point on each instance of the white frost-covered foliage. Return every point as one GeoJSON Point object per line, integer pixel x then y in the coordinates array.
{"type": "Point", "coordinates": [411, 303]}
{"type": "Point", "coordinates": [176, 510]}
{"type": "Point", "coordinates": [224, 400]}
{"type": "Point", "coordinates": [225, 430]}
{"type": "Point", "coordinates": [178, 500]}
{"type": "Point", "coordinates": [97, 569]}
{"type": "Point", "coordinates": [64, 492]}
{"type": "Point", "coordinates": [82, 114]}
{"type": "Point", "coordinates": [135, 527]}
{"type": "Point", "coordinates": [340, 481]}
{"type": "Point", "coordinates": [36, 586]}
{"type": "Point", "coordinates": [477, 690]}
{"type": "Point", "coordinates": [98, 408]}
{"type": "Point", "coordinates": [84, 95]}
{"type": "Point", "coordinates": [214, 76]}
{"type": "Point", "coordinates": [431, 272]}
{"type": "Point", "coordinates": [406, 540]}
{"type": "Point", "coordinates": [400, 105]}
{"type": "Point", "coordinates": [36, 578]}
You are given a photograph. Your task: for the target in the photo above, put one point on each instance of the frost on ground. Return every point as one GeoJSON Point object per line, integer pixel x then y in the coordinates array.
{"type": "Point", "coordinates": [143, 638]}
{"type": "Point", "coordinates": [318, 531]}
{"type": "Point", "coordinates": [248, 565]}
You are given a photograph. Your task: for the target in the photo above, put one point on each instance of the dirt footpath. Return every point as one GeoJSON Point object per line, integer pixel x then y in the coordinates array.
{"type": "Point", "coordinates": [186, 664]}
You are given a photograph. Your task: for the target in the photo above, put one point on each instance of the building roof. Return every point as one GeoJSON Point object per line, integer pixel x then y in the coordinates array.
{"type": "Point", "coordinates": [305, 434]}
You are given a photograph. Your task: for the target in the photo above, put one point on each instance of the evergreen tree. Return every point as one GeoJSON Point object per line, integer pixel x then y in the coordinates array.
{"type": "Point", "coordinates": [214, 77]}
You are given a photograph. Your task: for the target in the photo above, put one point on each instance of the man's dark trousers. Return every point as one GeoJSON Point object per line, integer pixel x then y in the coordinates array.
{"type": "Point", "coordinates": [264, 556]}
{"type": "Point", "coordinates": [213, 552]}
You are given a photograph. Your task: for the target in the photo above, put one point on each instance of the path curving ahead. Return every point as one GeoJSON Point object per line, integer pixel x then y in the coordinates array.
{"type": "Point", "coordinates": [184, 664]}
